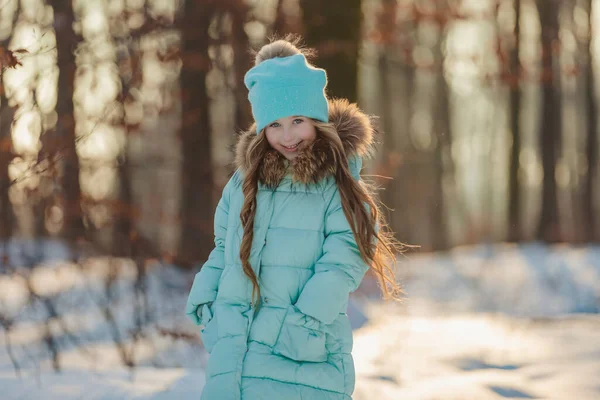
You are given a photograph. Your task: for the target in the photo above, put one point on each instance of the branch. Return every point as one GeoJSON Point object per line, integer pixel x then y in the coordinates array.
{"type": "Point", "coordinates": [7, 325]}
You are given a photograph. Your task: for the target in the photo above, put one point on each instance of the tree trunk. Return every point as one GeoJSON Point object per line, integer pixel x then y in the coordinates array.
{"type": "Point", "coordinates": [130, 75]}
{"type": "Point", "coordinates": [7, 114]}
{"type": "Point", "coordinates": [549, 223]}
{"type": "Point", "coordinates": [122, 236]}
{"type": "Point", "coordinates": [442, 160]}
{"type": "Point", "coordinates": [63, 139]}
{"type": "Point", "coordinates": [286, 22]}
{"type": "Point", "coordinates": [280, 26]}
{"type": "Point", "coordinates": [396, 93]}
{"type": "Point", "coordinates": [443, 165]}
{"type": "Point", "coordinates": [197, 179]}
{"type": "Point", "coordinates": [393, 195]}
{"type": "Point", "coordinates": [334, 29]}
{"type": "Point", "coordinates": [241, 63]}
{"type": "Point", "coordinates": [592, 139]}
{"type": "Point", "coordinates": [514, 207]}
{"type": "Point", "coordinates": [6, 119]}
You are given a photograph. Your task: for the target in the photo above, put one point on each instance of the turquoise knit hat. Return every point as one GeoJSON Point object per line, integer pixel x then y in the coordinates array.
{"type": "Point", "coordinates": [284, 86]}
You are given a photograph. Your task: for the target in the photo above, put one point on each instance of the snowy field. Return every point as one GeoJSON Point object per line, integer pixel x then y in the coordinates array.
{"type": "Point", "coordinates": [484, 322]}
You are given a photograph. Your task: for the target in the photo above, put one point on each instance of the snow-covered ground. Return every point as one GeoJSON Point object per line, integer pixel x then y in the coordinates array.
{"type": "Point", "coordinates": [480, 357]}
{"type": "Point", "coordinates": [483, 322]}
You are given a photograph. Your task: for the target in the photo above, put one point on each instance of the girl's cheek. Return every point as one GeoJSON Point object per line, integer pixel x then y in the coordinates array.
{"type": "Point", "coordinates": [310, 137]}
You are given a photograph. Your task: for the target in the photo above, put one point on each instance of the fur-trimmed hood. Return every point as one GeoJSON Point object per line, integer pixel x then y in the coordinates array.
{"type": "Point", "coordinates": [315, 162]}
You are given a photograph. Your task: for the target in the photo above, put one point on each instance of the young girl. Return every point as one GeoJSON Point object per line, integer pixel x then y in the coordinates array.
{"type": "Point", "coordinates": [295, 231]}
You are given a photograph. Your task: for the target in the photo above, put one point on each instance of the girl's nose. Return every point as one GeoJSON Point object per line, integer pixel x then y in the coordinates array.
{"type": "Point", "coordinates": [287, 134]}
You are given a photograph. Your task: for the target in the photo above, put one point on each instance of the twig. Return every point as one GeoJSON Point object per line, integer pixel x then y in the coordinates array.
{"type": "Point", "coordinates": [7, 324]}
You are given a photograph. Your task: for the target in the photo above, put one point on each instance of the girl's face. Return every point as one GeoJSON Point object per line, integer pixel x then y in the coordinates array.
{"type": "Point", "coordinates": [290, 134]}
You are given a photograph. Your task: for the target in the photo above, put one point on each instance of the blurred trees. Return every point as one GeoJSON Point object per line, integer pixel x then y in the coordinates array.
{"type": "Point", "coordinates": [478, 138]}
{"type": "Point", "coordinates": [566, 151]}
{"type": "Point", "coordinates": [489, 115]}
{"type": "Point", "coordinates": [396, 82]}
{"type": "Point", "coordinates": [416, 113]}
{"type": "Point", "coordinates": [128, 62]}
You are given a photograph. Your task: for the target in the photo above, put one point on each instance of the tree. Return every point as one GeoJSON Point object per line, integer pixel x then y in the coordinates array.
{"type": "Point", "coordinates": [442, 130]}
{"type": "Point", "coordinates": [550, 130]}
{"type": "Point", "coordinates": [197, 180]}
{"type": "Point", "coordinates": [241, 62]}
{"type": "Point", "coordinates": [334, 29]}
{"type": "Point", "coordinates": [6, 119]}
{"type": "Point", "coordinates": [60, 144]}
{"type": "Point", "coordinates": [592, 138]}
{"type": "Point", "coordinates": [442, 157]}
{"type": "Point", "coordinates": [396, 81]}
{"type": "Point", "coordinates": [285, 23]}
{"type": "Point", "coordinates": [7, 114]}
{"type": "Point", "coordinates": [128, 60]}
{"type": "Point", "coordinates": [514, 205]}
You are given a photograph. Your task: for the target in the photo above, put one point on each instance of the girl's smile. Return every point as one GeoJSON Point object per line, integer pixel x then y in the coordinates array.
{"type": "Point", "coordinates": [292, 148]}
{"type": "Point", "coordinates": [290, 134]}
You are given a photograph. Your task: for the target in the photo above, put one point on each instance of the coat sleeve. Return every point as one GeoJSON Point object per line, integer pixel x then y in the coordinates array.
{"type": "Point", "coordinates": [205, 286]}
{"type": "Point", "coordinates": [339, 270]}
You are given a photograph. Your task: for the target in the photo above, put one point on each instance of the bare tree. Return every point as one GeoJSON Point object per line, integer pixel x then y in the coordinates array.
{"type": "Point", "coordinates": [592, 138]}
{"type": "Point", "coordinates": [286, 22]}
{"type": "Point", "coordinates": [6, 118]}
{"type": "Point", "coordinates": [7, 114]}
{"type": "Point", "coordinates": [550, 129]}
{"type": "Point", "coordinates": [334, 29]}
{"type": "Point", "coordinates": [197, 179]}
{"type": "Point", "coordinates": [396, 89]}
{"type": "Point", "coordinates": [128, 59]}
{"type": "Point", "coordinates": [280, 26]}
{"type": "Point", "coordinates": [241, 62]}
{"type": "Point", "coordinates": [6, 212]}
{"type": "Point", "coordinates": [442, 129]}
{"type": "Point", "coordinates": [441, 159]}
{"type": "Point", "coordinates": [61, 142]}
{"type": "Point", "coordinates": [514, 206]}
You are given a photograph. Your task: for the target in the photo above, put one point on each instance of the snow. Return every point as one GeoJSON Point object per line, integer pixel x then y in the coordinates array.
{"type": "Point", "coordinates": [482, 322]}
{"type": "Point", "coordinates": [482, 356]}
{"type": "Point", "coordinates": [530, 280]}
{"type": "Point", "coordinates": [118, 383]}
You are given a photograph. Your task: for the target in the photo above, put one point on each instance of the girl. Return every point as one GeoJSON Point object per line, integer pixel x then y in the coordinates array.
{"type": "Point", "coordinates": [295, 231]}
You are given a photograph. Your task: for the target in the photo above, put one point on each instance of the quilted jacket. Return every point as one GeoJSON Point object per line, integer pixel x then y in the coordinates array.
{"type": "Point", "coordinates": [297, 344]}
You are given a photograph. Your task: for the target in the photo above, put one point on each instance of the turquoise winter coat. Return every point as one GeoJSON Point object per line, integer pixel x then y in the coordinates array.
{"type": "Point", "coordinates": [297, 345]}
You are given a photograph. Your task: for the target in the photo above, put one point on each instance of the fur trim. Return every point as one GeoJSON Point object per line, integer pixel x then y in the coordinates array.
{"type": "Point", "coordinates": [354, 128]}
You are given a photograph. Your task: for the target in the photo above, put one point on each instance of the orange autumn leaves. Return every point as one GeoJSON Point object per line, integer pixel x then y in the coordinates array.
{"type": "Point", "coordinates": [10, 58]}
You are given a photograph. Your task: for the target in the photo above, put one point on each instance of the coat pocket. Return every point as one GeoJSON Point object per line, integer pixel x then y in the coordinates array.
{"type": "Point", "coordinates": [208, 333]}
{"type": "Point", "coordinates": [300, 339]}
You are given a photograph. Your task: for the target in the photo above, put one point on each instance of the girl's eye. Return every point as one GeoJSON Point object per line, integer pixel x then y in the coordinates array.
{"type": "Point", "coordinates": [298, 121]}
{"type": "Point", "coordinates": [275, 125]}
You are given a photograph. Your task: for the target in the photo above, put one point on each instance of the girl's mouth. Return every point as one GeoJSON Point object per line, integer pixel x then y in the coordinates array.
{"type": "Point", "coordinates": [292, 148]}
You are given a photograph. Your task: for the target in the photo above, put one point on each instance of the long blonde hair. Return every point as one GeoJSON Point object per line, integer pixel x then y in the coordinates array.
{"type": "Point", "coordinates": [377, 245]}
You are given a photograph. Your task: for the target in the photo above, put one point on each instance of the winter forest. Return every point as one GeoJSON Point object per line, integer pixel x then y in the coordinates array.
{"type": "Point", "coordinates": [118, 120]}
